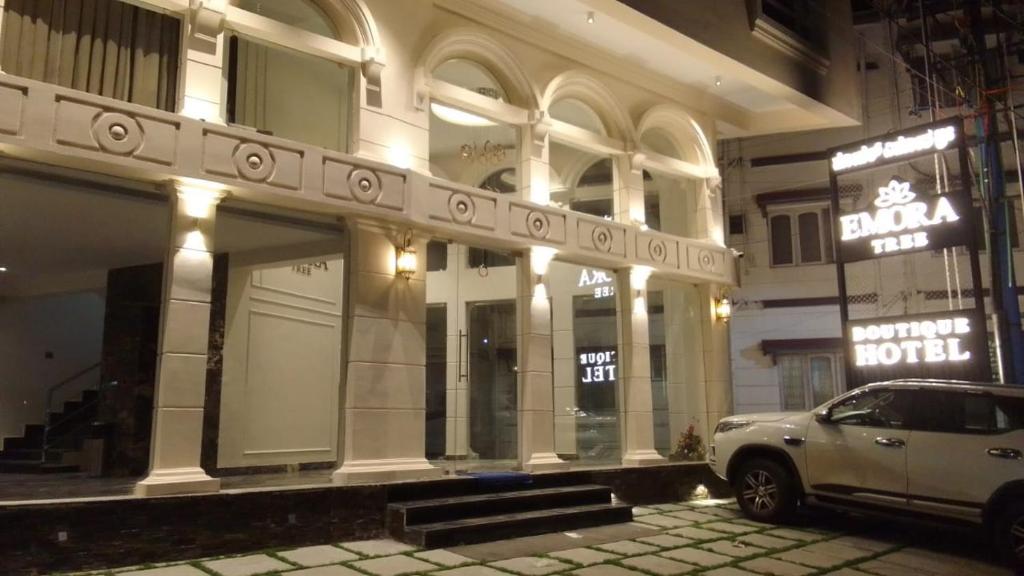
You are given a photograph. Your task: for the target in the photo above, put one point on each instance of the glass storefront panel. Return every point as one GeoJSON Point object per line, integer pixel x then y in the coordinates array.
{"type": "Point", "coordinates": [587, 390]}
{"type": "Point", "coordinates": [677, 365]}
{"type": "Point", "coordinates": [472, 364]}
{"type": "Point", "coordinates": [437, 366]}
{"type": "Point", "coordinates": [659, 376]}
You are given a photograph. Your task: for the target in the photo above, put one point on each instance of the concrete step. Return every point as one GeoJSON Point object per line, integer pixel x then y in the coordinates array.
{"type": "Point", "coordinates": [477, 505]}
{"type": "Point", "coordinates": [504, 526]}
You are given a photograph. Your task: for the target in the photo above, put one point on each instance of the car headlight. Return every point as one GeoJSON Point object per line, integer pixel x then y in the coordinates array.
{"type": "Point", "coordinates": [731, 425]}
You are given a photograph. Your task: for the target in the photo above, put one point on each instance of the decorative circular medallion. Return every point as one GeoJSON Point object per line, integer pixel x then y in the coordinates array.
{"type": "Point", "coordinates": [658, 250]}
{"type": "Point", "coordinates": [461, 207]}
{"type": "Point", "coordinates": [253, 162]}
{"type": "Point", "coordinates": [364, 185]}
{"type": "Point", "coordinates": [603, 238]}
{"type": "Point", "coordinates": [117, 133]}
{"type": "Point", "coordinates": [705, 260]}
{"type": "Point", "coordinates": [538, 225]}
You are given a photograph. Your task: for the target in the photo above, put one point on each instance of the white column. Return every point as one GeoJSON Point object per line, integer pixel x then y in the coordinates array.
{"type": "Point", "coordinates": [564, 353]}
{"type": "Point", "coordinates": [385, 386]}
{"type": "Point", "coordinates": [202, 82]}
{"type": "Point", "coordinates": [2, 2]}
{"type": "Point", "coordinates": [534, 167]}
{"type": "Point", "coordinates": [536, 384]}
{"type": "Point", "coordinates": [629, 189]}
{"type": "Point", "coordinates": [184, 333]}
{"type": "Point", "coordinates": [635, 370]}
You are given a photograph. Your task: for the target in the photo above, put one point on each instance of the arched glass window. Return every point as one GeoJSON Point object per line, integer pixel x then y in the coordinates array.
{"type": "Point", "coordinates": [265, 81]}
{"type": "Point", "coordinates": [471, 149]}
{"type": "Point", "coordinates": [303, 14]}
{"type": "Point", "coordinates": [572, 111]}
{"type": "Point", "coordinates": [670, 199]}
{"type": "Point", "coordinates": [580, 179]}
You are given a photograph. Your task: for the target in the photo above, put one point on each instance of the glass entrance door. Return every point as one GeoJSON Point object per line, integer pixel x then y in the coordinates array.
{"type": "Point", "coordinates": [490, 373]}
{"type": "Point", "coordinates": [472, 356]}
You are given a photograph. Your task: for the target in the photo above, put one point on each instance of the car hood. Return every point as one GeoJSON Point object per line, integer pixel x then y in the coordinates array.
{"type": "Point", "coordinates": [762, 417]}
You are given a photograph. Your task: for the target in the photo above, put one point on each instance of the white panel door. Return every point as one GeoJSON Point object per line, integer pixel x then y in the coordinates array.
{"type": "Point", "coordinates": [282, 363]}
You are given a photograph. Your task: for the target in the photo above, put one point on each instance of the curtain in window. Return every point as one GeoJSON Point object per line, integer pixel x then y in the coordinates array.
{"type": "Point", "coordinates": [823, 386]}
{"type": "Point", "coordinates": [791, 377]}
{"type": "Point", "coordinates": [810, 237]}
{"type": "Point", "coordinates": [103, 47]}
{"type": "Point", "coordinates": [782, 240]}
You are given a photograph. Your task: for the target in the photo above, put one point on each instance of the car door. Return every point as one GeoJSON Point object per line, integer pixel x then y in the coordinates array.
{"type": "Point", "coordinates": [857, 452]}
{"type": "Point", "coordinates": [963, 446]}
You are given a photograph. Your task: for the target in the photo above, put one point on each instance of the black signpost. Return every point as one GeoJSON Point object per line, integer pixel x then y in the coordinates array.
{"type": "Point", "coordinates": [899, 221]}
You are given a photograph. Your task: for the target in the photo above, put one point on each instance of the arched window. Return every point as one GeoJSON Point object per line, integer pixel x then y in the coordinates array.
{"type": "Point", "coordinates": [465, 146]}
{"type": "Point", "coordinates": [108, 48]}
{"type": "Point", "coordinates": [470, 148]}
{"type": "Point", "coordinates": [670, 198]}
{"type": "Point", "coordinates": [283, 90]}
{"type": "Point", "coordinates": [303, 14]}
{"type": "Point", "coordinates": [587, 176]}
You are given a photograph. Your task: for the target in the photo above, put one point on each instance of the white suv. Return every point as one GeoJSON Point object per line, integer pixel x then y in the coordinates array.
{"type": "Point", "coordinates": [936, 449]}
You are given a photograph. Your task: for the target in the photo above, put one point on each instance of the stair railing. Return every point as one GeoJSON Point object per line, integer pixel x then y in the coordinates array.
{"type": "Point", "coordinates": [51, 391]}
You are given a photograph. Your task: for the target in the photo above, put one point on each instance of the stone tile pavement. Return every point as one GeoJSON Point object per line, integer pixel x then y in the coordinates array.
{"type": "Point", "coordinates": [699, 538]}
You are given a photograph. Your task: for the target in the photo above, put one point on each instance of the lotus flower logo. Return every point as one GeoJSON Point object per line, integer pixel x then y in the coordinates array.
{"type": "Point", "coordinates": [896, 193]}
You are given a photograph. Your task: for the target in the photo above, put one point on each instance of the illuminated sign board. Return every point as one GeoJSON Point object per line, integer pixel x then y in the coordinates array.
{"type": "Point", "coordinates": [942, 345]}
{"type": "Point", "coordinates": [883, 151]}
{"type": "Point", "coordinates": [604, 285]}
{"type": "Point", "coordinates": [597, 366]}
{"type": "Point", "coordinates": [901, 222]}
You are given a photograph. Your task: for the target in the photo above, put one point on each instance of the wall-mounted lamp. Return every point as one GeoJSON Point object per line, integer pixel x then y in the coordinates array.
{"type": "Point", "coordinates": [723, 309]}
{"type": "Point", "coordinates": [405, 258]}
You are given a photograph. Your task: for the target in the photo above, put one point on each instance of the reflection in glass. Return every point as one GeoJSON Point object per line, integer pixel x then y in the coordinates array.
{"type": "Point", "coordinates": [659, 372]}
{"type": "Point", "coordinates": [581, 181]}
{"type": "Point", "coordinates": [492, 380]}
{"type": "Point", "coordinates": [437, 365]}
{"type": "Point", "coordinates": [263, 82]}
{"type": "Point", "coordinates": [822, 380]}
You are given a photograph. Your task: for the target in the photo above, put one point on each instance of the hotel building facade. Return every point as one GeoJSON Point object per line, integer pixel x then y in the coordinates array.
{"type": "Point", "coordinates": [381, 239]}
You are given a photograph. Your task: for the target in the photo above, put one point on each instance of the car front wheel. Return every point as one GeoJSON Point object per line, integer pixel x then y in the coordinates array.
{"type": "Point", "coordinates": [765, 491]}
{"type": "Point", "coordinates": [1011, 535]}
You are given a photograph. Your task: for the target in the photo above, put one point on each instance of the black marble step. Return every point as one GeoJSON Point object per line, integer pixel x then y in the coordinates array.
{"type": "Point", "coordinates": [515, 525]}
{"type": "Point", "coordinates": [477, 505]}
{"type": "Point", "coordinates": [35, 467]}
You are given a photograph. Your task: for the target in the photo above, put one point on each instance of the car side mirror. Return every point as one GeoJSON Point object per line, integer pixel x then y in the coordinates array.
{"type": "Point", "coordinates": [823, 416]}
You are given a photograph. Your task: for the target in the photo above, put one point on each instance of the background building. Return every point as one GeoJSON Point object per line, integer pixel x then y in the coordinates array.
{"type": "Point", "coordinates": [787, 351]}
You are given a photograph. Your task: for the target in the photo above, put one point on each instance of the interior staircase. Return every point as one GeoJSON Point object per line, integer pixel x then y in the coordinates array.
{"type": "Point", "coordinates": [59, 439]}
{"type": "Point", "coordinates": [486, 511]}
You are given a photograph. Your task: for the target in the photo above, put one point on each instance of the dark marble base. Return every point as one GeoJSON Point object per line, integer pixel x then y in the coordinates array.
{"type": "Point", "coordinates": [41, 538]}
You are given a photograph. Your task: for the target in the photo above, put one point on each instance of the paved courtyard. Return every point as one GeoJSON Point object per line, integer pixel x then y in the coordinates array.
{"type": "Point", "coordinates": [694, 538]}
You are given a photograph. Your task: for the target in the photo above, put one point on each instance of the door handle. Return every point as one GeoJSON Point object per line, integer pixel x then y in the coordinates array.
{"type": "Point", "coordinates": [460, 375]}
{"type": "Point", "coordinates": [1007, 453]}
{"type": "Point", "coordinates": [890, 442]}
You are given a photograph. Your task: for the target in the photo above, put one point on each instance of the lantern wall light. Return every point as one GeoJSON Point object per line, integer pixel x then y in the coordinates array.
{"type": "Point", "coordinates": [405, 258]}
